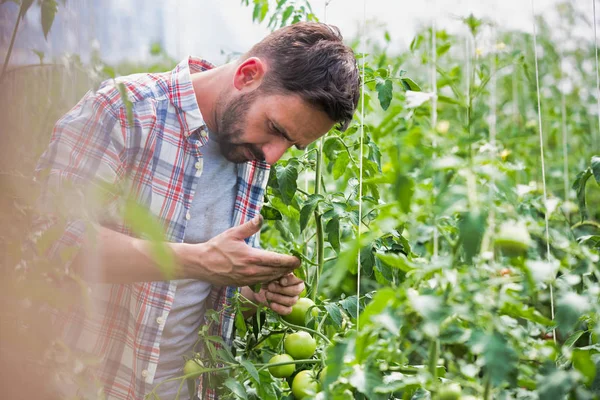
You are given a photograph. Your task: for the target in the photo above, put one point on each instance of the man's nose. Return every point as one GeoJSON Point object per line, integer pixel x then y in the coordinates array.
{"type": "Point", "coordinates": [274, 151]}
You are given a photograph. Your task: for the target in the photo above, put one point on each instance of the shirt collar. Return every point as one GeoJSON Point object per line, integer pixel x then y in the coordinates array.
{"type": "Point", "coordinates": [181, 92]}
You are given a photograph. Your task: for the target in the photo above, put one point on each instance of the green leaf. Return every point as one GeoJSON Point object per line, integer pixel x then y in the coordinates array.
{"type": "Point", "coordinates": [349, 304]}
{"type": "Point", "coordinates": [49, 9]}
{"type": "Point", "coordinates": [308, 208]}
{"type": "Point", "coordinates": [569, 308]}
{"type": "Point", "coordinates": [145, 225]}
{"type": "Point", "coordinates": [472, 227]}
{"type": "Point", "coordinates": [333, 233]}
{"type": "Point", "coordinates": [109, 71]}
{"type": "Point", "coordinates": [499, 357]}
{"type": "Point", "coordinates": [365, 378]}
{"type": "Point", "coordinates": [409, 84]}
{"type": "Point", "coordinates": [449, 100]}
{"type": "Point", "coordinates": [335, 360]}
{"type": "Point", "coordinates": [127, 102]}
{"type": "Point", "coordinates": [582, 361]}
{"type": "Point", "coordinates": [395, 260]}
{"type": "Point", "coordinates": [334, 313]}
{"type": "Point", "coordinates": [383, 298]}
{"type": "Point", "coordinates": [523, 311]}
{"type": "Point", "coordinates": [191, 386]}
{"type": "Point", "coordinates": [25, 4]}
{"type": "Point", "coordinates": [443, 49]}
{"type": "Point", "coordinates": [384, 93]}
{"type": "Point", "coordinates": [573, 338]}
{"type": "Point", "coordinates": [286, 15]}
{"type": "Point", "coordinates": [341, 164]}
{"type": "Point", "coordinates": [555, 385]}
{"type": "Point", "coordinates": [236, 388]}
{"type": "Point", "coordinates": [270, 213]}
{"type": "Point", "coordinates": [596, 168]}
{"type": "Point", "coordinates": [287, 178]}
{"type": "Point", "coordinates": [405, 188]}
{"type": "Point", "coordinates": [251, 369]}
{"type": "Point", "coordinates": [40, 55]}
{"type": "Point", "coordinates": [579, 187]}
{"type": "Point", "coordinates": [264, 9]}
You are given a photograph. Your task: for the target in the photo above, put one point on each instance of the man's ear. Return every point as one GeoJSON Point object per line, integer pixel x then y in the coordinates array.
{"type": "Point", "coordinates": [249, 74]}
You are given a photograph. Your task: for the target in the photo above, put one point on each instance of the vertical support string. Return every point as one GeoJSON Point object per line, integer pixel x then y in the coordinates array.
{"type": "Point", "coordinates": [493, 127]}
{"type": "Point", "coordinates": [434, 116]}
{"type": "Point", "coordinates": [360, 164]}
{"type": "Point", "coordinates": [541, 135]}
{"type": "Point", "coordinates": [595, 147]}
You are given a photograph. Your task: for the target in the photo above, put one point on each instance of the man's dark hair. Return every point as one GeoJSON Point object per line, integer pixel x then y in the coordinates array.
{"type": "Point", "coordinates": [311, 59]}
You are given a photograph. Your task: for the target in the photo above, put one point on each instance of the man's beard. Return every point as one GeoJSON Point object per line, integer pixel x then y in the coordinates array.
{"type": "Point", "coordinates": [231, 124]}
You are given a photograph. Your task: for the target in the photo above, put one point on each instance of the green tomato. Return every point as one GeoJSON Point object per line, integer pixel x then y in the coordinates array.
{"type": "Point", "coordinates": [299, 311]}
{"type": "Point", "coordinates": [512, 239]}
{"type": "Point", "coordinates": [449, 391]}
{"type": "Point", "coordinates": [300, 345]}
{"type": "Point", "coordinates": [193, 367]}
{"type": "Point", "coordinates": [304, 385]}
{"type": "Point", "coordinates": [282, 371]}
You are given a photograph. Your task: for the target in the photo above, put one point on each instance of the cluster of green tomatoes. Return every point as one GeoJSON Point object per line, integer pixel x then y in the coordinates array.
{"type": "Point", "coordinates": [299, 345]}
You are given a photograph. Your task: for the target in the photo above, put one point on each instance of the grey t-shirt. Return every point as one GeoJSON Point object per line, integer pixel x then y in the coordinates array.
{"type": "Point", "coordinates": [211, 213]}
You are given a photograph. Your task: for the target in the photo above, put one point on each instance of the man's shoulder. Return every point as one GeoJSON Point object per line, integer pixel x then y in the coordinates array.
{"type": "Point", "coordinates": [139, 87]}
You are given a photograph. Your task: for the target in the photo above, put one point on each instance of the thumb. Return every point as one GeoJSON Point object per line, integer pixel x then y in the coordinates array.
{"type": "Point", "coordinates": [248, 229]}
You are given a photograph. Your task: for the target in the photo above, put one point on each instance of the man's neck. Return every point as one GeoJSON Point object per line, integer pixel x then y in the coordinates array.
{"type": "Point", "coordinates": [207, 87]}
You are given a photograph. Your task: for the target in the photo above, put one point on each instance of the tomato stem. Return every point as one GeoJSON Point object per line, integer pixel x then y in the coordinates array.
{"type": "Point", "coordinates": [306, 361]}
{"type": "Point", "coordinates": [303, 328]}
{"type": "Point", "coordinates": [433, 357]}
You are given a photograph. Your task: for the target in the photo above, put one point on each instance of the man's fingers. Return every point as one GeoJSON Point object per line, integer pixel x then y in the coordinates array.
{"type": "Point", "coordinates": [248, 229]}
{"type": "Point", "coordinates": [293, 290]}
{"type": "Point", "coordinates": [280, 309]}
{"type": "Point", "coordinates": [289, 280]}
{"type": "Point", "coordinates": [281, 299]}
{"type": "Point", "coordinates": [271, 259]}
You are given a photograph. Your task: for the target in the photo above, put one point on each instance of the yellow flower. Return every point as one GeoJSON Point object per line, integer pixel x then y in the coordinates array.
{"type": "Point", "coordinates": [504, 155]}
{"type": "Point", "coordinates": [478, 51]}
{"type": "Point", "coordinates": [500, 46]}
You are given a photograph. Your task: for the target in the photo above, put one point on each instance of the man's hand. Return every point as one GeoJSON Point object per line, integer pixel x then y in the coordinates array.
{"type": "Point", "coordinates": [226, 259]}
{"type": "Point", "coordinates": [282, 294]}
{"type": "Point", "coordinates": [279, 295]}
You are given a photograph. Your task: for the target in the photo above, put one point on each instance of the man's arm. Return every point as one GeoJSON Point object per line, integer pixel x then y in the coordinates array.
{"type": "Point", "coordinates": [225, 260]}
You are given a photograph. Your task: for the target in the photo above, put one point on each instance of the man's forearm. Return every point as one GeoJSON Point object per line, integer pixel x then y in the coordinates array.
{"type": "Point", "coordinates": [114, 257]}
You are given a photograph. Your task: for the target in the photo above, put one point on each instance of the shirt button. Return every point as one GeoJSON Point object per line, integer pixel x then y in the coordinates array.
{"type": "Point", "coordinates": [160, 320]}
{"type": "Point", "coordinates": [145, 373]}
{"type": "Point", "coordinates": [203, 133]}
{"type": "Point", "coordinates": [186, 133]}
{"type": "Point", "coordinates": [188, 216]}
{"type": "Point", "coordinates": [198, 165]}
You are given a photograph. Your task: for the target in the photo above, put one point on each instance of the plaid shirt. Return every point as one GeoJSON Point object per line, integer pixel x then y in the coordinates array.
{"type": "Point", "coordinates": [158, 157]}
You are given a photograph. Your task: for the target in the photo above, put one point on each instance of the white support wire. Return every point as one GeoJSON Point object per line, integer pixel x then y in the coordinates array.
{"type": "Point", "coordinates": [595, 147]}
{"type": "Point", "coordinates": [434, 115]}
{"type": "Point", "coordinates": [360, 165]}
{"type": "Point", "coordinates": [539, 107]}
